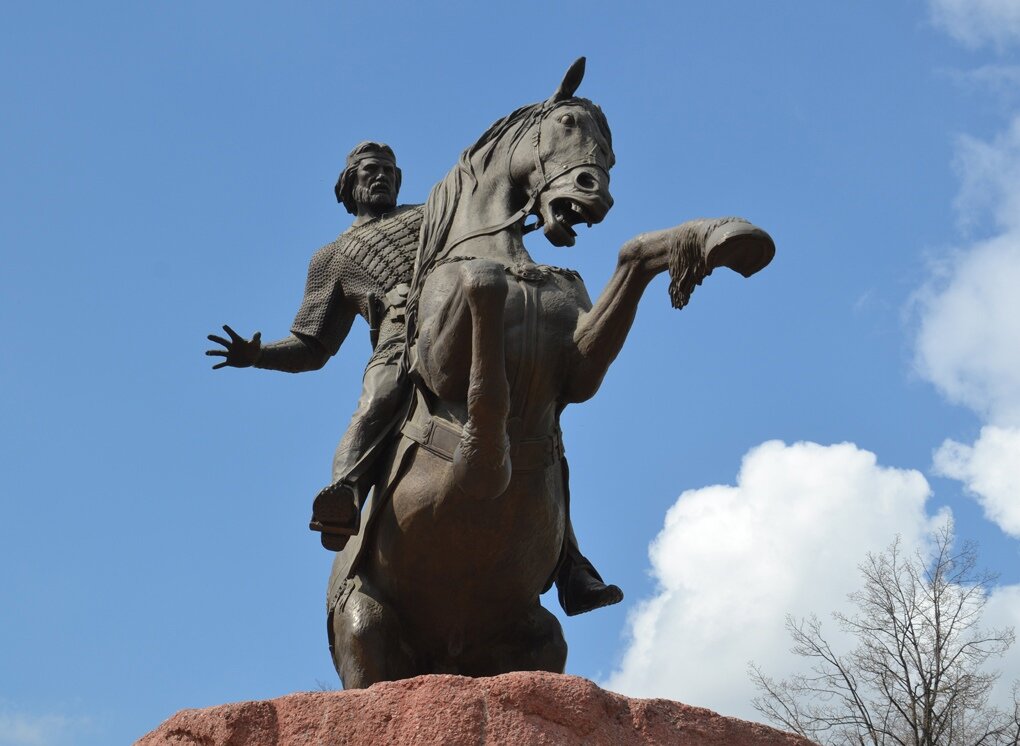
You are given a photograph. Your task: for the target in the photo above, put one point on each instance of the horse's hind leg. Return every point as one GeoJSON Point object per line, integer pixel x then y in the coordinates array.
{"type": "Point", "coordinates": [481, 461]}
{"type": "Point", "coordinates": [533, 643]}
{"type": "Point", "coordinates": [366, 640]}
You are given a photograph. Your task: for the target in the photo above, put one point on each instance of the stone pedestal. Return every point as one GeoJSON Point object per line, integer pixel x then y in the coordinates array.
{"type": "Point", "coordinates": [516, 708]}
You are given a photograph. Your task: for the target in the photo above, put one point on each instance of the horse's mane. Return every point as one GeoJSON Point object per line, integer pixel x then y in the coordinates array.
{"type": "Point", "coordinates": [441, 205]}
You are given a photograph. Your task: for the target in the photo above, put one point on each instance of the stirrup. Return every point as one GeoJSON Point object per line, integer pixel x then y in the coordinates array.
{"type": "Point", "coordinates": [329, 521]}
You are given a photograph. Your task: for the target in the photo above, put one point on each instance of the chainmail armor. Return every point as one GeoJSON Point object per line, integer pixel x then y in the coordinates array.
{"type": "Point", "coordinates": [356, 271]}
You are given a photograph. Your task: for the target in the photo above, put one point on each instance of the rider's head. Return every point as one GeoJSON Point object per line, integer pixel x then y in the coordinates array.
{"type": "Point", "coordinates": [370, 179]}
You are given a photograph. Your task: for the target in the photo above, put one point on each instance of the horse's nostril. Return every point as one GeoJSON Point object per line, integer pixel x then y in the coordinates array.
{"type": "Point", "coordinates": [586, 181]}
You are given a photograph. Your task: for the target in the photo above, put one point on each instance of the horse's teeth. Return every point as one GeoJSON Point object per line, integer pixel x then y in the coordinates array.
{"type": "Point", "coordinates": [580, 212]}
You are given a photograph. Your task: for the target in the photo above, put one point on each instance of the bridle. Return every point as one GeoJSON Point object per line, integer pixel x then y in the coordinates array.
{"type": "Point", "coordinates": [536, 120]}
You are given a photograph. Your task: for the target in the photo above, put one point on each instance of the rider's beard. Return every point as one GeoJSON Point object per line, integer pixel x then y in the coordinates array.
{"type": "Point", "coordinates": [378, 199]}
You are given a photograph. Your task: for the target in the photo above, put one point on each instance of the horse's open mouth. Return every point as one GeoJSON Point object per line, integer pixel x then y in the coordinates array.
{"type": "Point", "coordinates": [565, 214]}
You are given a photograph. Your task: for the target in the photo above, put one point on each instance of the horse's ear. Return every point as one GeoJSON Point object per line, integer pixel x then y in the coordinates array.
{"type": "Point", "coordinates": [570, 81]}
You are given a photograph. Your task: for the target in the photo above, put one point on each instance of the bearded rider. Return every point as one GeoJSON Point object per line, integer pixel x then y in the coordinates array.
{"type": "Point", "coordinates": [365, 272]}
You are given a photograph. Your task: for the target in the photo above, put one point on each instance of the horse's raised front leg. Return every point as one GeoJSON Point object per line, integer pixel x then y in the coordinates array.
{"type": "Point", "coordinates": [481, 462]}
{"type": "Point", "coordinates": [468, 323]}
{"type": "Point", "coordinates": [690, 251]}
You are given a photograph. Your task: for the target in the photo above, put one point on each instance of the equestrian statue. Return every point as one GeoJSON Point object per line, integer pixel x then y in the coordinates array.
{"type": "Point", "coordinates": [450, 502]}
{"type": "Point", "coordinates": [367, 272]}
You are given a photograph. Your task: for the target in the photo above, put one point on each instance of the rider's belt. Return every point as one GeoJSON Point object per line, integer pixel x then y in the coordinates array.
{"type": "Point", "coordinates": [441, 437]}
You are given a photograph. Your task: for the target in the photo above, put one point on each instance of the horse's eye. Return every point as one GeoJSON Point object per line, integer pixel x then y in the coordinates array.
{"type": "Point", "coordinates": [567, 120]}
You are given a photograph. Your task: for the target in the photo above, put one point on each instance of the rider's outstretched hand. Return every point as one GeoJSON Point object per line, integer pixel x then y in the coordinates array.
{"type": "Point", "coordinates": [239, 352]}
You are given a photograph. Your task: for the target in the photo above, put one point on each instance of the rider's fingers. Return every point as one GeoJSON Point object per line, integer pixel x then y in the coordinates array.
{"type": "Point", "coordinates": [257, 339]}
{"type": "Point", "coordinates": [233, 335]}
{"type": "Point", "coordinates": [218, 340]}
{"type": "Point", "coordinates": [219, 365]}
{"type": "Point", "coordinates": [220, 353]}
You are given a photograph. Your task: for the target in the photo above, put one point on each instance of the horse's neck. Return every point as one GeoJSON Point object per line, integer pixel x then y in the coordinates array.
{"type": "Point", "coordinates": [488, 206]}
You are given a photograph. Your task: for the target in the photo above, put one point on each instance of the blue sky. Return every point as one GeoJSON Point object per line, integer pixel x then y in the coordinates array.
{"type": "Point", "coordinates": [167, 168]}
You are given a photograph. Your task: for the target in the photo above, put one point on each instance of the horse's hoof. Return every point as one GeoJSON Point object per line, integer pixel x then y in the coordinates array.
{"type": "Point", "coordinates": [741, 246]}
{"type": "Point", "coordinates": [481, 471]}
{"type": "Point", "coordinates": [481, 483]}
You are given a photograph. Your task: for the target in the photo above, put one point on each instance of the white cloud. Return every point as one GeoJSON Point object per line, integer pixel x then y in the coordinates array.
{"type": "Point", "coordinates": [978, 22]}
{"type": "Point", "coordinates": [968, 343]}
{"type": "Point", "coordinates": [732, 561]}
{"type": "Point", "coordinates": [990, 175]}
{"type": "Point", "coordinates": [990, 470]}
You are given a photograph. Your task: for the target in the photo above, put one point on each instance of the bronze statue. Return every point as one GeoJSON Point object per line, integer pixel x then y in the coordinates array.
{"type": "Point", "coordinates": [468, 519]}
{"type": "Point", "coordinates": [366, 272]}
{"type": "Point", "coordinates": [466, 524]}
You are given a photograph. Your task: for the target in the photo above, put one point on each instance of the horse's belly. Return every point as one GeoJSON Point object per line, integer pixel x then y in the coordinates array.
{"type": "Point", "coordinates": [448, 560]}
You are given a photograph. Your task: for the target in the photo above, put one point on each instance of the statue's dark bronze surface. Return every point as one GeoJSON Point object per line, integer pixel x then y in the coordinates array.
{"type": "Point", "coordinates": [456, 441]}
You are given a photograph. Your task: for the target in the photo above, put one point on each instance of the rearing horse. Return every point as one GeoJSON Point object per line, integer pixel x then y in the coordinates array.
{"type": "Point", "coordinates": [469, 517]}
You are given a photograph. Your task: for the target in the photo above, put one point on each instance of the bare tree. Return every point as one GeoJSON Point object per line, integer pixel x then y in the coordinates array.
{"type": "Point", "coordinates": [919, 674]}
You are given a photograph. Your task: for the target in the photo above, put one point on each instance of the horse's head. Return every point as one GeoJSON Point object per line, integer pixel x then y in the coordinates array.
{"type": "Point", "coordinates": [567, 165]}
{"type": "Point", "coordinates": [557, 154]}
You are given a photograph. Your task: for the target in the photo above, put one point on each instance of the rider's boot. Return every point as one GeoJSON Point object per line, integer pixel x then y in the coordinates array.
{"type": "Point", "coordinates": [704, 245]}
{"type": "Point", "coordinates": [336, 514]}
{"type": "Point", "coordinates": [579, 586]}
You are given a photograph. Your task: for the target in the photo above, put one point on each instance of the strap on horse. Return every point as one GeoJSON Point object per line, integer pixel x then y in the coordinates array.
{"type": "Point", "coordinates": [441, 437]}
